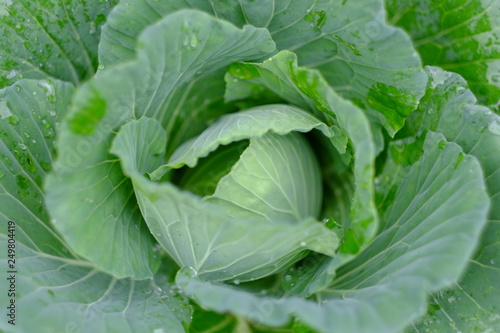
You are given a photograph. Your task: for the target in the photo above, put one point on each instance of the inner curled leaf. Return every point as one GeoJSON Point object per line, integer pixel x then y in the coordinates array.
{"type": "Point", "coordinates": [272, 177]}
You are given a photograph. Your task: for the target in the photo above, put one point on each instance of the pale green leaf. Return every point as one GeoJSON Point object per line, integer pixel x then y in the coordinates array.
{"type": "Point", "coordinates": [277, 178]}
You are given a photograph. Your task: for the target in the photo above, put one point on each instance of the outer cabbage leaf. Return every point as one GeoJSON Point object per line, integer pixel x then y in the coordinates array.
{"type": "Point", "coordinates": [364, 58]}
{"type": "Point", "coordinates": [61, 295]}
{"type": "Point", "coordinates": [363, 311]}
{"type": "Point", "coordinates": [56, 38]}
{"type": "Point", "coordinates": [450, 108]}
{"type": "Point", "coordinates": [55, 289]}
{"type": "Point", "coordinates": [459, 36]}
{"type": "Point", "coordinates": [200, 235]}
{"type": "Point", "coordinates": [419, 248]}
{"type": "Point", "coordinates": [29, 111]}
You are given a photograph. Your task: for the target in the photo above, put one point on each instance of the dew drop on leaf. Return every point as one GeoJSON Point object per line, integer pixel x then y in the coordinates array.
{"type": "Point", "coordinates": [189, 271]}
{"type": "Point", "coordinates": [4, 110]}
{"type": "Point", "coordinates": [92, 28]}
{"type": "Point", "coordinates": [159, 330]}
{"type": "Point", "coordinates": [11, 74]}
{"type": "Point", "coordinates": [45, 165]}
{"type": "Point", "coordinates": [494, 127]}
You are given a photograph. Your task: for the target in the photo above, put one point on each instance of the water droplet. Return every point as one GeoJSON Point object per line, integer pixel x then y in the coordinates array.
{"type": "Point", "coordinates": [452, 299]}
{"type": "Point", "coordinates": [45, 165]}
{"type": "Point", "coordinates": [11, 74]}
{"type": "Point", "coordinates": [494, 127]}
{"type": "Point", "coordinates": [159, 330]}
{"type": "Point", "coordinates": [492, 261]}
{"type": "Point", "coordinates": [92, 28]}
{"type": "Point", "coordinates": [288, 277]}
{"type": "Point", "coordinates": [236, 282]}
{"type": "Point", "coordinates": [18, 26]}
{"type": "Point", "coordinates": [189, 271]}
{"type": "Point", "coordinates": [136, 226]}
{"type": "Point", "coordinates": [158, 234]}
{"type": "Point", "coordinates": [35, 93]}
{"type": "Point", "coordinates": [49, 134]}
{"type": "Point", "coordinates": [21, 146]}
{"type": "Point", "coordinates": [34, 141]}
{"type": "Point", "coordinates": [49, 90]}
{"type": "Point", "coordinates": [4, 110]}
{"type": "Point", "coordinates": [194, 41]}
{"type": "Point", "coordinates": [494, 318]}
{"type": "Point", "coordinates": [303, 243]}
{"type": "Point", "coordinates": [157, 248]}
{"type": "Point", "coordinates": [431, 111]}
{"type": "Point", "coordinates": [89, 200]}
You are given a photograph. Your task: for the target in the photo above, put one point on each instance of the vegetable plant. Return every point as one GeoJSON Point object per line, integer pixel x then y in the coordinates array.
{"type": "Point", "coordinates": [250, 166]}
